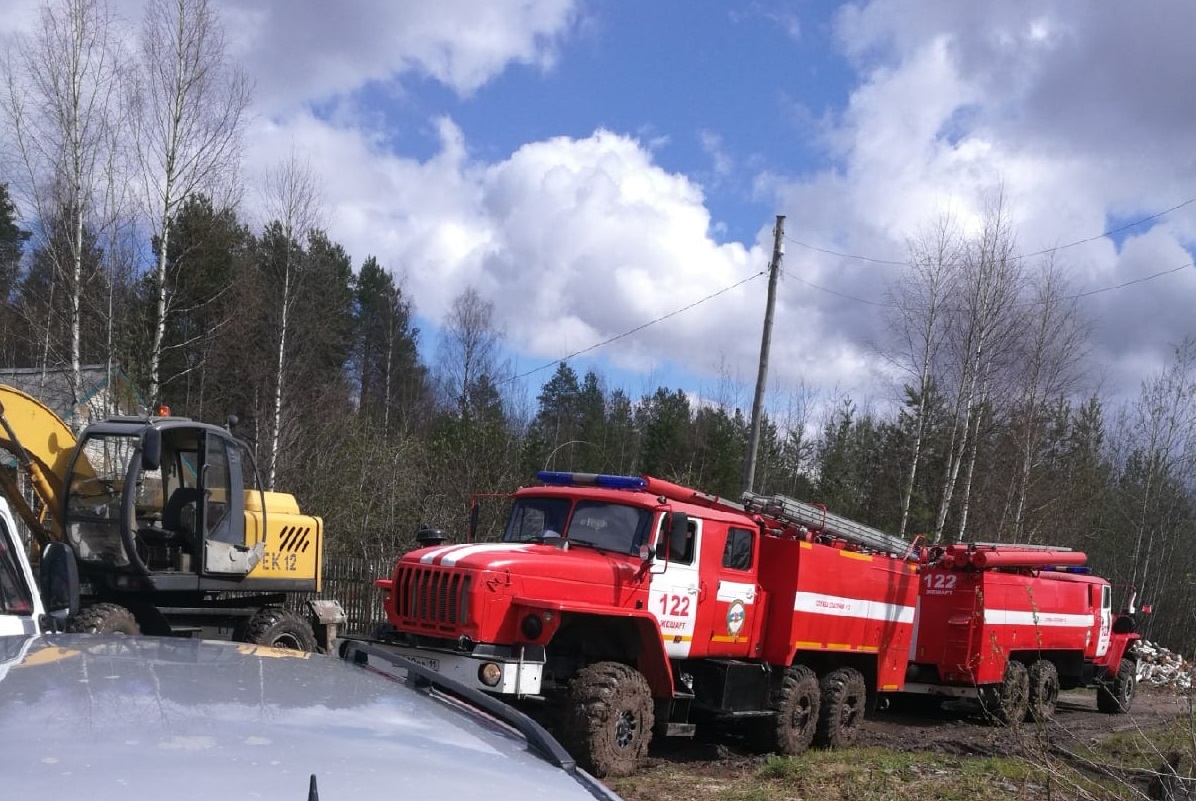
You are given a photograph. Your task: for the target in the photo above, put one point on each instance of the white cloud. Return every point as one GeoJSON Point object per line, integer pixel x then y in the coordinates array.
{"type": "Point", "coordinates": [574, 240]}
{"type": "Point", "coordinates": [306, 50]}
{"type": "Point", "coordinates": [1079, 113]}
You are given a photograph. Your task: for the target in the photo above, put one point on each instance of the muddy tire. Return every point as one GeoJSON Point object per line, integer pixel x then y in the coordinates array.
{"type": "Point", "coordinates": [1115, 696]}
{"type": "Point", "coordinates": [277, 628]}
{"type": "Point", "coordinates": [104, 619]}
{"type": "Point", "coordinates": [1044, 690]}
{"type": "Point", "coordinates": [796, 702]}
{"type": "Point", "coordinates": [844, 695]}
{"type": "Point", "coordinates": [1009, 701]}
{"type": "Point", "coordinates": [607, 718]}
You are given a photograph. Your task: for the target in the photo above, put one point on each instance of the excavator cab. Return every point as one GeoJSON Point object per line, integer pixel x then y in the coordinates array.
{"type": "Point", "coordinates": [152, 498]}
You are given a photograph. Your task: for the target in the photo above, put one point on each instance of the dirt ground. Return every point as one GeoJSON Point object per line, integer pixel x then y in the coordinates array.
{"type": "Point", "coordinates": [958, 729]}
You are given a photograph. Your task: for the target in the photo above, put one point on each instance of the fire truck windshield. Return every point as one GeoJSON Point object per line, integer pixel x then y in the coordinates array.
{"type": "Point", "coordinates": [607, 526]}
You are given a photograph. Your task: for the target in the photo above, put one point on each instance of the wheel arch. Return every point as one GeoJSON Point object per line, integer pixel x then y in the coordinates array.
{"type": "Point", "coordinates": [631, 639]}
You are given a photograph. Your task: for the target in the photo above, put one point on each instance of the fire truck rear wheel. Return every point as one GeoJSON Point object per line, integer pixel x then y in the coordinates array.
{"type": "Point", "coordinates": [1044, 690]}
{"type": "Point", "coordinates": [278, 628]}
{"type": "Point", "coordinates": [796, 703]}
{"type": "Point", "coordinates": [608, 718]}
{"type": "Point", "coordinates": [844, 696]}
{"type": "Point", "coordinates": [105, 619]}
{"type": "Point", "coordinates": [1115, 696]}
{"type": "Point", "coordinates": [1010, 700]}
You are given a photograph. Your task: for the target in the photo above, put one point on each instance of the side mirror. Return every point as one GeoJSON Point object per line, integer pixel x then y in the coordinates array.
{"type": "Point", "coordinates": [151, 449]}
{"type": "Point", "coordinates": [473, 521]}
{"type": "Point", "coordinates": [59, 580]}
{"type": "Point", "coordinates": [647, 553]}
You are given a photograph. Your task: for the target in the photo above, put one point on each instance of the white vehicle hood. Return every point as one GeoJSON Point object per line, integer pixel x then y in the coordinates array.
{"type": "Point", "coordinates": [86, 716]}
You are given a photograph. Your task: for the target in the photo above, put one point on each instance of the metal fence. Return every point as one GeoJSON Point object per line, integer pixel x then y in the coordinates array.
{"type": "Point", "coordinates": [350, 580]}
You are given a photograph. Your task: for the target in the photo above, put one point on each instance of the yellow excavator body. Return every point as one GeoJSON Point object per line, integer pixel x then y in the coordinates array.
{"type": "Point", "coordinates": [165, 518]}
{"type": "Point", "coordinates": [43, 446]}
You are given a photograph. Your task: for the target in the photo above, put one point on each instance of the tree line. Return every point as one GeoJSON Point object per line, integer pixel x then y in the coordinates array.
{"type": "Point", "coordinates": [131, 249]}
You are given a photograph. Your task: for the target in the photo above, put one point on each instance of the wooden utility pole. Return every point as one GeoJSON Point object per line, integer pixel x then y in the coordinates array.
{"type": "Point", "coordinates": [774, 267]}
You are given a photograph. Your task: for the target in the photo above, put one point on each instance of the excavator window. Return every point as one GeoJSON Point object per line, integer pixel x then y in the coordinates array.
{"type": "Point", "coordinates": [217, 489]}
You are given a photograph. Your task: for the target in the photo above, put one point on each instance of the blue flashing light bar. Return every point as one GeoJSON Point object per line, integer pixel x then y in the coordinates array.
{"type": "Point", "coordinates": [1083, 571]}
{"type": "Point", "coordinates": [591, 480]}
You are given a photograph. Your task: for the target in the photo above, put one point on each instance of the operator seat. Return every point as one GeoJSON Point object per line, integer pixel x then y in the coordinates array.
{"type": "Point", "coordinates": [173, 517]}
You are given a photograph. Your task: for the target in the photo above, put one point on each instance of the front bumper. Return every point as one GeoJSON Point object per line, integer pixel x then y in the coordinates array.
{"type": "Point", "coordinates": [519, 672]}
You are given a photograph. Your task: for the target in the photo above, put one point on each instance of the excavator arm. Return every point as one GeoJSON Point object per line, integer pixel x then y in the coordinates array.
{"type": "Point", "coordinates": [43, 446]}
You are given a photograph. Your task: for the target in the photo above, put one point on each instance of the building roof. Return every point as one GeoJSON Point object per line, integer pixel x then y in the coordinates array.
{"type": "Point", "coordinates": [52, 386]}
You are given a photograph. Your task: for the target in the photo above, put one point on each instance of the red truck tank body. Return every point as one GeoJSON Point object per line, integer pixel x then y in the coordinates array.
{"type": "Point", "coordinates": [1014, 625]}
{"type": "Point", "coordinates": [970, 622]}
{"type": "Point", "coordinates": [832, 599]}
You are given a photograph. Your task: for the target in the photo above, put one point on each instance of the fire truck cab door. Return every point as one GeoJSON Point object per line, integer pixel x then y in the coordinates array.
{"type": "Point", "coordinates": [1106, 620]}
{"type": "Point", "coordinates": [731, 622]}
{"type": "Point", "coordinates": [674, 591]}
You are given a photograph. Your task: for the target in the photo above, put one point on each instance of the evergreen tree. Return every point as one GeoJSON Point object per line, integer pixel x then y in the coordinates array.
{"type": "Point", "coordinates": [391, 382]}
{"type": "Point", "coordinates": [665, 422]}
{"type": "Point", "coordinates": [12, 244]}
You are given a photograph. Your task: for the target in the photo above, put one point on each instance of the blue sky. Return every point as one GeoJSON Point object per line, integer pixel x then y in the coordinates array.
{"type": "Point", "coordinates": [590, 167]}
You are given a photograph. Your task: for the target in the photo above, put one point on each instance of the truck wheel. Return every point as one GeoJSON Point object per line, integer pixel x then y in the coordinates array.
{"type": "Point", "coordinates": [1009, 701]}
{"type": "Point", "coordinates": [796, 705]}
{"type": "Point", "coordinates": [104, 619]}
{"type": "Point", "coordinates": [844, 695]}
{"type": "Point", "coordinates": [1115, 696]}
{"type": "Point", "coordinates": [278, 628]}
{"type": "Point", "coordinates": [1044, 690]}
{"type": "Point", "coordinates": [608, 718]}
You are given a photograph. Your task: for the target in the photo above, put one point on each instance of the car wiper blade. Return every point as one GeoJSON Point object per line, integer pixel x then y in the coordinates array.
{"type": "Point", "coordinates": [359, 652]}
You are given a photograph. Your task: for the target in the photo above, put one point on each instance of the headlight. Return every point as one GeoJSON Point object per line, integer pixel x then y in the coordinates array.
{"type": "Point", "coordinates": [532, 627]}
{"type": "Point", "coordinates": [490, 674]}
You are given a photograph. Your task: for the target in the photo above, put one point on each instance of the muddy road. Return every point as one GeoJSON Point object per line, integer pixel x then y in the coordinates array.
{"type": "Point", "coordinates": [960, 728]}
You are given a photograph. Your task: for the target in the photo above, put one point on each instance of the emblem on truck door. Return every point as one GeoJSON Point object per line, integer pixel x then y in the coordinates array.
{"type": "Point", "coordinates": [735, 615]}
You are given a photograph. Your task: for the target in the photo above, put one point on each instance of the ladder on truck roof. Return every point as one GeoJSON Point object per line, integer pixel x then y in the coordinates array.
{"type": "Point", "coordinates": [817, 519]}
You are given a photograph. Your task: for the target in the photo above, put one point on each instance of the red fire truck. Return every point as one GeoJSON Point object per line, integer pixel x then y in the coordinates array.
{"type": "Point", "coordinates": [623, 606]}
{"type": "Point", "coordinates": [1012, 625]}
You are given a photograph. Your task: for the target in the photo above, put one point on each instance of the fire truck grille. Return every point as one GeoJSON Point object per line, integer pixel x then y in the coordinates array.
{"type": "Point", "coordinates": [433, 598]}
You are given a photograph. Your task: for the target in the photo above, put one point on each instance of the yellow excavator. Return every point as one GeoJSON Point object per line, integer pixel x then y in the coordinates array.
{"type": "Point", "coordinates": [169, 527]}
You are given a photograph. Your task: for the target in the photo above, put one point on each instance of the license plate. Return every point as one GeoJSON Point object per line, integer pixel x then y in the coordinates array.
{"type": "Point", "coordinates": [425, 661]}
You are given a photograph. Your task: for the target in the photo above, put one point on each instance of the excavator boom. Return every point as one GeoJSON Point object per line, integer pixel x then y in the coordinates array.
{"type": "Point", "coordinates": [43, 446]}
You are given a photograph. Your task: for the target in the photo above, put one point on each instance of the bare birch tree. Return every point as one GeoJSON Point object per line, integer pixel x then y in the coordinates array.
{"type": "Point", "coordinates": [292, 202]}
{"type": "Point", "coordinates": [1052, 347]}
{"type": "Point", "coordinates": [468, 348]}
{"type": "Point", "coordinates": [983, 322]}
{"type": "Point", "coordinates": [1162, 453]}
{"type": "Point", "coordinates": [190, 107]}
{"type": "Point", "coordinates": [918, 319]}
{"type": "Point", "coordinates": [60, 99]}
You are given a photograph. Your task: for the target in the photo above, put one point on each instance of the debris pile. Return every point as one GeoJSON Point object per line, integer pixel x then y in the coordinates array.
{"type": "Point", "coordinates": [1160, 667]}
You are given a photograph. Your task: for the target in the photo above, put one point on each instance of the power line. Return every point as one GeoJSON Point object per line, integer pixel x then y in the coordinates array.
{"type": "Point", "coordinates": [638, 328]}
{"type": "Point", "coordinates": [1056, 249]}
{"type": "Point", "coordinates": [1077, 296]}
{"type": "Point", "coordinates": [1135, 281]}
